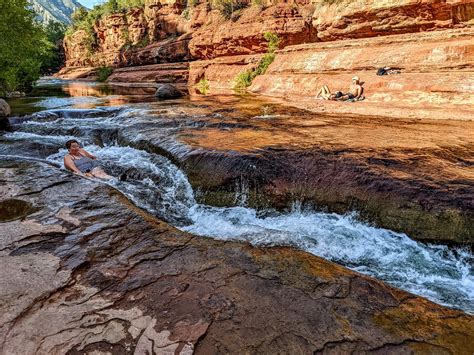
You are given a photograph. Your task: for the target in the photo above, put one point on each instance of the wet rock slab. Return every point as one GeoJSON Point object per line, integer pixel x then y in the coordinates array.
{"type": "Point", "coordinates": [88, 271]}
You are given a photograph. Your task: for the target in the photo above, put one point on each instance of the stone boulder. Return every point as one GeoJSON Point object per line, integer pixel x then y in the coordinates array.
{"type": "Point", "coordinates": [4, 108]}
{"type": "Point", "coordinates": [168, 91]}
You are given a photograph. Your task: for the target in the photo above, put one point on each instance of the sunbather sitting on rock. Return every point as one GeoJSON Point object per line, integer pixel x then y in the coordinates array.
{"type": "Point", "coordinates": [354, 93]}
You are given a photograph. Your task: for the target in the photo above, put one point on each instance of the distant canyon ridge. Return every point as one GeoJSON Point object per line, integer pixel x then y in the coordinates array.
{"type": "Point", "coordinates": [55, 10]}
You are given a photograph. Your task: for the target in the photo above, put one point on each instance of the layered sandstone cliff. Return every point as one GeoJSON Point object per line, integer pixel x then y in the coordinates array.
{"type": "Point", "coordinates": [367, 18]}
{"type": "Point", "coordinates": [118, 37]}
{"type": "Point", "coordinates": [334, 41]}
{"type": "Point", "coordinates": [168, 31]}
{"type": "Point", "coordinates": [137, 36]}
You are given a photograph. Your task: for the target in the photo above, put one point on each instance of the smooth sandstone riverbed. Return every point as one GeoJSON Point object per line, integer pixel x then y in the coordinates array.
{"type": "Point", "coordinates": [87, 271]}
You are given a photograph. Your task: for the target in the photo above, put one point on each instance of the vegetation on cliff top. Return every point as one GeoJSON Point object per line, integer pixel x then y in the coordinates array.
{"type": "Point", "coordinates": [25, 49]}
{"type": "Point", "coordinates": [84, 20]}
{"type": "Point", "coordinates": [229, 9]}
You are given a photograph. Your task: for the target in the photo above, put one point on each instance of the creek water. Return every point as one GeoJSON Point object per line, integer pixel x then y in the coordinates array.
{"type": "Point", "coordinates": [116, 128]}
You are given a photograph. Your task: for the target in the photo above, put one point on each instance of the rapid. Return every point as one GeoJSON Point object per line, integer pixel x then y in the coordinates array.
{"type": "Point", "coordinates": [110, 127]}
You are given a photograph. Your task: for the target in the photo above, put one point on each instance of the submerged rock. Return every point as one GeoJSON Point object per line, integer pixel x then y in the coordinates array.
{"type": "Point", "coordinates": [99, 265]}
{"type": "Point", "coordinates": [4, 109]}
{"type": "Point", "coordinates": [168, 91]}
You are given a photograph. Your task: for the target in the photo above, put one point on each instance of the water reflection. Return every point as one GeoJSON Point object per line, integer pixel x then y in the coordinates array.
{"type": "Point", "coordinates": [51, 93]}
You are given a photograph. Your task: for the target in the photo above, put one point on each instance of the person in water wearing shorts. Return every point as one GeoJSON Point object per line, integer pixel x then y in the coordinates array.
{"type": "Point", "coordinates": [81, 162]}
{"type": "Point", "coordinates": [354, 93]}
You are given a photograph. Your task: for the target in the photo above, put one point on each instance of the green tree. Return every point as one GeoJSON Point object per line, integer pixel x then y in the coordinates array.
{"type": "Point", "coordinates": [55, 31]}
{"type": "Point", "coordinates": [79, 15]}
{"type": "Point", "coordinates": [245, 78]}
{"type": "Point", "coordinates": [54, 59]}
{"type": "Point", "coordinates": [111, 6]}
{"type": "Point", "coordinates": [127, 4]}
{"type": "Point", "coordinates": [23, 46]}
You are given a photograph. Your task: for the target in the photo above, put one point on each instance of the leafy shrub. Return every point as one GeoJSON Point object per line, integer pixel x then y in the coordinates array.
{"type": "Point", "coordinates": [258, 3]}
{"type": "Point", "coordinates": [103, 73]}
{"type": "Point", "coordinates": [229, 8]}
{"type": "Point", "coordinates": [273, 41]}
{"type": "Point", "coordinates": [186, 13]}
{"type": "Point", "coordinates": [129, 4]}
{"type": "Point", "coordinates": [203, 86]}
{"type": "Point", "coordinates": [245, 78]}
{"type": "Point", "coordinates": [125, 35]}
{"type": "Point", "coordinates": [143, 42]}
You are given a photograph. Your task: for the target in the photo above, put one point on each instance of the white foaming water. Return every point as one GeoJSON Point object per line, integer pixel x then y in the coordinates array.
{"type": "Point", "coordinates": [155, 184]}
{"type": "Point", "coordinates": [105, 117]}
{"type": "Point", "coordinates": [435, 272]}
{"type": "Point", "coordinates": [33, 137]}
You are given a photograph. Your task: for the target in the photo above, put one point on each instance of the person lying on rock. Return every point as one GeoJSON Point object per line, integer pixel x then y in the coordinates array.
{"type": "Point", "coordinates": [81, 162]}
{"type": "Point", "coordinates": [354, 93]}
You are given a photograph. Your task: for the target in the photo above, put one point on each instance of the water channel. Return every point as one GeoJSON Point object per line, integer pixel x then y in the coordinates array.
{"type": "Point", "coordinates": [117, 128]}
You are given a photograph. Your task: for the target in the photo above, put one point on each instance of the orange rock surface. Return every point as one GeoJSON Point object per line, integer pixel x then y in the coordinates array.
{"type": "Point", "coordinates": [367, 18]}
{"type": "Point", "coordinates": [245, 35]}
{"type": "Point", "coordinates": [436, 74]}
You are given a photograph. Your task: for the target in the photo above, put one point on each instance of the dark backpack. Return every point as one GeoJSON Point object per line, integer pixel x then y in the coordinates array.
{"type": "Point", "coordinates": [381, 71]}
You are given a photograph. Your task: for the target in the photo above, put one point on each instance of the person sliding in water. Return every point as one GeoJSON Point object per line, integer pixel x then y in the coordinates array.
{"type": "Point", "coordinates": [354, 93]}
{"type": "Point", "coordinates": [81, 162]}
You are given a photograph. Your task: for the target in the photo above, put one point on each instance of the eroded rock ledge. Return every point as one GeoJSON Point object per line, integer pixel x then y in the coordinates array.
{"type": "Point", "coordinates": [86, 271]}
